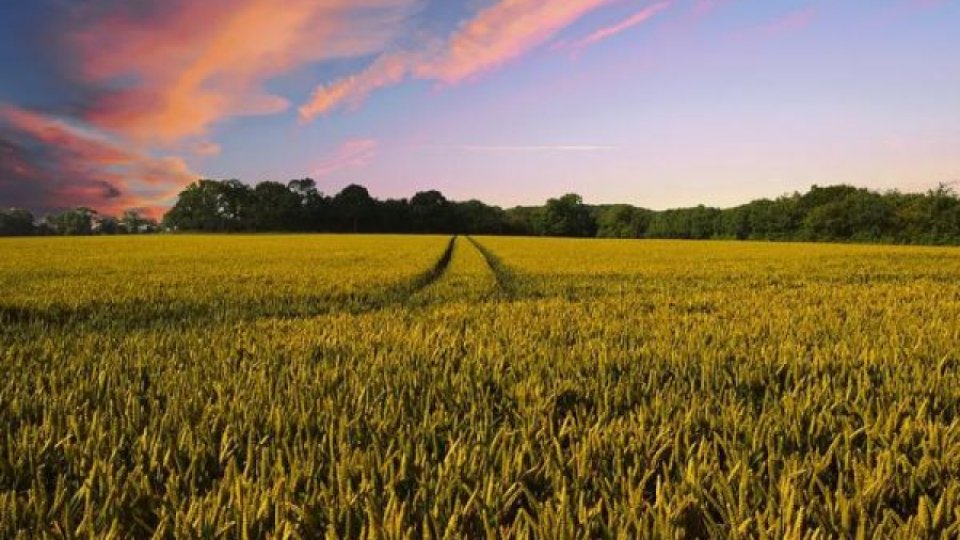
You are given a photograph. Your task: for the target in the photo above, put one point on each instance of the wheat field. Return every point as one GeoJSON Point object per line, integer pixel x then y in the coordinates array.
{"type": "Point", "coordinates": [425, 386]}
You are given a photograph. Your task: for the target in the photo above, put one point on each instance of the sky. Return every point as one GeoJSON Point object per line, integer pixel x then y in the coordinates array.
{"type": "Point", "coordinates": [117, 104]}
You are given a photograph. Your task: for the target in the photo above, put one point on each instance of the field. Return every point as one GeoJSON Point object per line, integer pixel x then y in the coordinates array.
{"type": "Point", "coordinates": [408, 387]}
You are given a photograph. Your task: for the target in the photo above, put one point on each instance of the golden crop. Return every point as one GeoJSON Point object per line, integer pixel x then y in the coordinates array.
{"type": "Point", "coordinates": [359, 386]}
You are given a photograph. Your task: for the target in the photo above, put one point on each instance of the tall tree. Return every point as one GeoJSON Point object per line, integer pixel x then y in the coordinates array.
{"type": "Point", "coordinates": [431, 212]}
{"type": "Point", "coordinates": [354, 208]}
{"type": "Point", "coordinates": [314, 207]}
{"type": "Point", "coordinates": [73, 222]}
{"type": "Point", "coordinates": [210, 205]}
{"type": "Point", "coordinates": [16, 222]}
{"type": "Point", "coordinates": [133, 222]}
{"type": "Point", "coordinates": [623, 221]}
{"type": "Point", "coordinates": [275, 207]}
{"type": "Point", "coordinates": [568, 216]}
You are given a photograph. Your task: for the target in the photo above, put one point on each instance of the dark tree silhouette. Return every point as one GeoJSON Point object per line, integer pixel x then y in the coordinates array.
{"type": "Point", "coordinates": [73, 222]}
{"type": "Point", "coordinates": [431, 212]}
{"type": "Point", "coordinates": [16, 222]}
{"type": "Point", "coordinates": [834, 213]}
{"type": "Point", "coordinates": [212, 206]}
{"type": "Point", "coordinates": [354, 209]}
{"type": "Point", "coordinates": [275, 207]}
{"type": "Point", "coordinates": [568, 216]}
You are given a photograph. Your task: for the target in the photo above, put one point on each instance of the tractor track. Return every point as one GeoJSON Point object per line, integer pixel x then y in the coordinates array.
{"type": "Point", "coordinates": [506, 279]}
{"type": "Point", "coordinates": [429, 277]}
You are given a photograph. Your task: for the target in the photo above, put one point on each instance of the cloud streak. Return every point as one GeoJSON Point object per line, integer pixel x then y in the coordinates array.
{"type": "Point", "coordinates": [607, 32]}
{"type": "Point", "coordinates": [791, 22]}
{"type": "Point", "coordinates": [352, 154]}
{"type": "Point", "coordinates": [388, 69]}
{"type": "Point", "coordinates": [493, 37]}
{"type": "Point", "coordinates": [501, 33]}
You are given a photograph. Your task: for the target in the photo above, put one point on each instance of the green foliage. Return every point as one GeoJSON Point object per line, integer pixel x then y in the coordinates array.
{"type": "Point", "coordinates": [623, 221]}
{"type": "Point", "coordinates": [73, 222]}
{"type": "Point", "coordinates": [275, 207]}
{"type": "Point", "coordinates": [16, 222]}
{"type": "Point", "coordinates": [834, 213]}
{"type": "Point", "coordinates": [691, 223]}
{"type": "Point", "coordinates": [215, 206]}
{"type": "Point", "coordinates": [132, 222]}
{"type": "Point", "coordinates": [567, 216]}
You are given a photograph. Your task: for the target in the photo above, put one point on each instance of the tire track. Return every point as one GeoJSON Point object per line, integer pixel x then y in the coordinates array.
{"type": "Point", "coordinates": [135, 315]}
{"type": "Point", "coordinates": [427, 278]}
{"type": "Point", "coordinates": [507, 282]}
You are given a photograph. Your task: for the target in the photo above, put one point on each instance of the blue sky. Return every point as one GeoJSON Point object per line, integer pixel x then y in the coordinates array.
{"type": "Point", "coordinates": [654, 103]}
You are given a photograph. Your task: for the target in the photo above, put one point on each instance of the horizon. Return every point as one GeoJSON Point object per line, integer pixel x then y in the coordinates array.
{"type": "Point", "coordinates": [950, 186]}
{"type": "Point", "coordinates": [657, 104]}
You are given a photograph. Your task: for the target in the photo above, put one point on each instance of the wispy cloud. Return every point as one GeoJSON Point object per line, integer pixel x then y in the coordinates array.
{"type": "Point", "coordinates": [352, 154]}
{"type": "Point", "coordinates": [186, 64]}
{"type": "Point", "coordinates": [500, 33]}
{"type": "Point", "coordinates": [49, 163]}
{"type": "Point", "coordinates": [494, 36]}
{"type": "Point", "coordinates": [388, 69]}
{"type": "Point", "coordinates": [159, 74]}
{"type": "Point", "coordinates": [790, 22]}
{"type": "Point", "coordinates": [207, 148]}
{"type": "Point", "coordinates": [703, 8]}
{"type": "Point", "coordinates": [607, 32]}
{"type": "Point", "coordinates": [904, 9]}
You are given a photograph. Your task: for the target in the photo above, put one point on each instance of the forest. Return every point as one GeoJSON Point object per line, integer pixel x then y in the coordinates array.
{"type": "Point", "coordinates": [838, 213]}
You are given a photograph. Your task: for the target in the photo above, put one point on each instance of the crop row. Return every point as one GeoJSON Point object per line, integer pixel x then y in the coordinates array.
{"type": "Point", "coordinates": [533, 389]}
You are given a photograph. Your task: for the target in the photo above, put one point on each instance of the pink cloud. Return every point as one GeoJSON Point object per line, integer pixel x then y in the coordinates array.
{"type": "Point", "coordinates": [160, 74]}
{"type": "Point", "coordinates": [786, 23]}
{"type": "Point", "coordinates": [207, 148]}
{"type": "Point", "coordinates": [501, 33]}
{"type": "Point", "coordinates": [791, 22]}
{"type": "Point", "coordinates": [702, 8]}
{"type": "Point", "coordinates": [607, 32]}
{"type": "Point", "coordinates": [50, 163]}
{"type": "Point", "coordinates": [390, 68]}
{"type": "Point", "coordinates": [352, 154]}
{"type": "Point", "coordinates": [496, 35]}
{"type": "Point", "coordinates": [185, 64]}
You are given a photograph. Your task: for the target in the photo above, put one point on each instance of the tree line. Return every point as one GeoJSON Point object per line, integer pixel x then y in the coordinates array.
{"type": "Point", "coordinates": [839, 213]}
{"type": "Point", "coordinates": [80, 221]}
{"type": "Point", "coordinates": [834, 213]}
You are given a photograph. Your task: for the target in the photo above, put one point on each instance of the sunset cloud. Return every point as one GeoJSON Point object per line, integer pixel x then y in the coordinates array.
{"type": "Point", "coordinates": [118, 103]}
{"type": "Point", "coordinates": [207, 148]}
{"type": "Point", "coordinates": [352, 154]}
{"type": "Point", "coordinates": [501, 33]}
{"type": "Point", "coordinates": [171, 70]}
{"type": "Point", "coordinates": [495, 36]}
{"type": "Point", "coordinates": [390, 68]}
{"type": "Point", "coordinates": [607, 32]}
{"type": "Point", "coordinates": [159, 74]}
{"type": "Point", "coordinates": [49, 164]}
